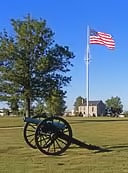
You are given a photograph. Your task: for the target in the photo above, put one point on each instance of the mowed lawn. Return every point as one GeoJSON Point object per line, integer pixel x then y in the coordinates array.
{"type": "Point", "coordinates": [111, 133]}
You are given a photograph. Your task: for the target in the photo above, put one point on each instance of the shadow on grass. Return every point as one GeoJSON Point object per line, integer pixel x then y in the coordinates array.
{"type": "Point", "coordinates": [80, 144]}
{"type": "Point", "coordinates": [115, 148]}
{"type": "Point", "coordinates": [119, 146]}
{"type": "Point", "coordinates": [98, 121]}
{"type": "Point", "coordinates": [96, 150]}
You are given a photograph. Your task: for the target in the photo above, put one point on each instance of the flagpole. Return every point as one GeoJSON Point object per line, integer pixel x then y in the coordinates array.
{"type": "Point", "coordinates": [87, 72]}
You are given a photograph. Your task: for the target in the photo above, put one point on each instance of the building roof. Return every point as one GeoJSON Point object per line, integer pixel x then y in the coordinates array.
{"type": "Point", "coordinates": [92, 103]}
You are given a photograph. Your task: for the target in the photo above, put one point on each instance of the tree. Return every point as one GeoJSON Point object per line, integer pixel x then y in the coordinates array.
{"type": "Point", "coordinates": [114, 105]}
{"type": "Point", "coordinates": [55, 104]}
{"type": "Point", "coordinates": [39, 109]}
{"type": "Point", "coordinates": [126, 113]}
{"type": "Point", "coordinates": [14, 105]}
{"type": "Point", "coordinates": [79, 101]}
{"type": "Point", "coordinates": [32, 64]}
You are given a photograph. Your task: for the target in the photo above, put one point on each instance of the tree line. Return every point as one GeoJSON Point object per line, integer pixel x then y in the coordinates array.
{"type": "Point", "coordinates": [33, 67]}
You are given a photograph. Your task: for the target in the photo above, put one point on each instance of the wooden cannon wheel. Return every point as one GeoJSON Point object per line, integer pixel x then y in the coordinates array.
{"type": "Point", "coordinates": [30, 129]}
{"type": "Point", "coordinates": [49, 136]}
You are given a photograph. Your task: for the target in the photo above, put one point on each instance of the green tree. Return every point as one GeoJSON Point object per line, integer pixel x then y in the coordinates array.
{"type": "Point", "coordinates": [126, 113]}
{"type": "Point", "coordinates": [114, 105]}
{"type": "Point", "coordinates": [79, 101]}
{"type": "Point", "coordinates": [13, 104]}
{"type": "Point", "coordinates": [32, 64]}
{"type": "Point", "coordinates": [55, 104]}
{"type": "Point", "coordinates": [39, 109]}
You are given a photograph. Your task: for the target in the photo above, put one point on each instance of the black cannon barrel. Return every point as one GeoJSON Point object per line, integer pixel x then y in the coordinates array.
{"type": "Point", "coordinates": [37, 121]}
{"type": "Point", "coordinates": [32, 120]}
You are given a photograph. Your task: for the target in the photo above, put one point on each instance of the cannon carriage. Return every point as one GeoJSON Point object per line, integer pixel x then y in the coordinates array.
{"type": "Point", "coordinates": [51, 135]}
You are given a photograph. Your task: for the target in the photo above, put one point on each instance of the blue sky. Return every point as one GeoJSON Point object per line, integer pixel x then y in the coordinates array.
{"type": "Point", "coordinates": [69, 20]}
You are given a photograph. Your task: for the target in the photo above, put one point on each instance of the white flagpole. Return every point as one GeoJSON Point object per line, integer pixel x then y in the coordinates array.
{"type": "Point", "coordinates": [87, 71]}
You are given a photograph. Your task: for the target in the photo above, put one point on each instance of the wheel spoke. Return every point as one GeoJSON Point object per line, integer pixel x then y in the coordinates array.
{"type": "Point", "coordinates": [65, 130]}
{"type": "Point", "coordinates": [48, 148]}
{"type": "Point", "coordinates": [61, 141]}
{"type": "Point", "coordinates": [31, 135]}
{"type": "Point", "coordinates": [58, 144]}
{"type": "Point", "coordinates": [30, 130]}
{"type": "Point", "coordinates": [32, 140]}
{"type": "Point", "coordinates": [45, 138]}
{"type": "Point", "coordinates": [54, 147]}
{"type": "Point", "coordinates": [45, 142]}
{"type": "Point", "coordinates": [32, 126]}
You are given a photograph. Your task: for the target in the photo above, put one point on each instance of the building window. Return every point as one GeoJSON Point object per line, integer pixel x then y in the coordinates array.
{"type": "Point", "coordinates": [92, 109]}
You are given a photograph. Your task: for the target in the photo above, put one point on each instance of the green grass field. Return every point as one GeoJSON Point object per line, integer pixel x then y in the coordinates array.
{"type": "Point", "coordinates": [111, 133]}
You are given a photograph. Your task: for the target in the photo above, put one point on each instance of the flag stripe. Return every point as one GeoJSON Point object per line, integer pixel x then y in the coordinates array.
{"type": "Point", "coordinates": [102, 39]}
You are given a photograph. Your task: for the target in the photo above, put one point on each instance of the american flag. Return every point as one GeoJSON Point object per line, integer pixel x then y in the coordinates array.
{"type": "Point", "coordinates": [102, 39]}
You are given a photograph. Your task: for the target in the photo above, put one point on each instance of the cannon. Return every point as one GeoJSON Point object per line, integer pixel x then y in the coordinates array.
{"type": "Point", "coordinates": [51, 135]}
